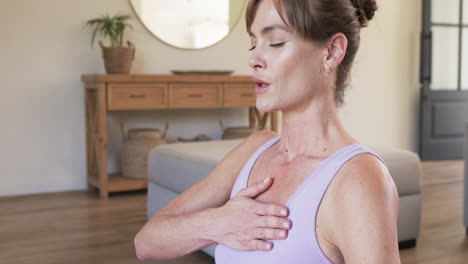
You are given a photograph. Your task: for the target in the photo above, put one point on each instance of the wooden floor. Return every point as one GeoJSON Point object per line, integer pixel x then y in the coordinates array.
{"type": "Point", "coordinates": [442, 239]}
{"type": "Point", "coordinates": [76, 227]}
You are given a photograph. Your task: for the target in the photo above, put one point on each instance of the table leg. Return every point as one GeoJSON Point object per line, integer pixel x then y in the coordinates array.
{"type": "Point", "coordinates": [274, 121]}
{"type": "Point", "coordinates": [252, 117]}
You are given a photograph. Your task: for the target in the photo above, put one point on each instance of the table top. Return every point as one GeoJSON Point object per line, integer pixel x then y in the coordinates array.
{"type": "Point", "coordinates": [165, 78]}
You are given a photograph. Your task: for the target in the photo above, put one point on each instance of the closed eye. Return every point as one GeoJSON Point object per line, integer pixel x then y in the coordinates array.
{"type": "Point", "coordinates": [277, 44]}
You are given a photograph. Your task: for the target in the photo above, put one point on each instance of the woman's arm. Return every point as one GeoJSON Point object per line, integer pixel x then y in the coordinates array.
{"type": "Point", "coordinates": [200, 216]}
{"type": "Point", "coordinates": [366, 212]}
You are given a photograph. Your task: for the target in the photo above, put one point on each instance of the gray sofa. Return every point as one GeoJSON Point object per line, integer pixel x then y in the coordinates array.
{"type": "Point", "coordinates": [173, 168]}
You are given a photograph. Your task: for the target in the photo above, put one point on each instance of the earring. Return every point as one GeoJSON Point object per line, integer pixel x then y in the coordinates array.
{"type": "Point", "coordinates": [328, 67]}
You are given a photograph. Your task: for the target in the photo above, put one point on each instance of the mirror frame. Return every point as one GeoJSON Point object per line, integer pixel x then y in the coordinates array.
{"type": "Point", "coordinates": [234, 25]}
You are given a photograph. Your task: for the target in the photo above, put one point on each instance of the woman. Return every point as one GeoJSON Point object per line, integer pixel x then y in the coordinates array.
{"type": "Point", "coordinates": [309, 195]}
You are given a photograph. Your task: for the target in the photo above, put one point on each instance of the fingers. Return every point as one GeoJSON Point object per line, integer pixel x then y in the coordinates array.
{"type": "Point", "coordinates": [257, 244]}
{"type": "Point", "coordinates": [270, 233]}
{"type": "Point", "coordinates": [273, 222]}
{"type": "Point", "coordinates": [261, 208]}
{"type": "Point", "coordinates": [256, 189]}
{"type": "Point", "coordinates": [266, 234]}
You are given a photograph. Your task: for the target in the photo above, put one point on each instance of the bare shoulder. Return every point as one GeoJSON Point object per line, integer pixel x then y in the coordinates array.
{"type": "Point", "coordinates": [365, 179]}
{"type": "Point", "coordinates": [365, 202]}
{"type": "Point", "coordinates": [366, 173]}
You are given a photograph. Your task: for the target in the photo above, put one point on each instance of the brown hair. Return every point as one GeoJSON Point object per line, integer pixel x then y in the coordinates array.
{"type": "Point", "coordinates": [319, 20]}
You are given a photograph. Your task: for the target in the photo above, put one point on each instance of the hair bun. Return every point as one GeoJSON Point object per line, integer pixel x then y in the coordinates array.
{"type": "Point", "coordinates": [365, 10]}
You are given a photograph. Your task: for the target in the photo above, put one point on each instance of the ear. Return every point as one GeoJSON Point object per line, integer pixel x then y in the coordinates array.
{"type": "Point", "coordinates": [336, 49]}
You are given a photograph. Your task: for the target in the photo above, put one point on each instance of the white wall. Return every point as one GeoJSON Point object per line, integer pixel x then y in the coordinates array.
{"type": "Point", "coordinates": [44, 50]}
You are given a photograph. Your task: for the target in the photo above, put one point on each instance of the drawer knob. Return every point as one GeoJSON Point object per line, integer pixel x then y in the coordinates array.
{"type": "Point", "coordinates": [137, 96]}
{"type": "Point", "coordinates": [195, 95]}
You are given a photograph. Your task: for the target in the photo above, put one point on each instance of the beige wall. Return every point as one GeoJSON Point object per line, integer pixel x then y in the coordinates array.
{"type": "Point", "coordinates": [44, 50]}
{"type": "Point", "coordinates": [382, 106]}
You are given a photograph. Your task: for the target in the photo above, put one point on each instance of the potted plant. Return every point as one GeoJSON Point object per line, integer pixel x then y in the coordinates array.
{"type": "Point", "coordinates": [117, 58]}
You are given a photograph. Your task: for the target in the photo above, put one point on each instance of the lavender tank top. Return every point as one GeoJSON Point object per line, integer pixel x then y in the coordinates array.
{"type": "Point", "coordinates": [301, 246]}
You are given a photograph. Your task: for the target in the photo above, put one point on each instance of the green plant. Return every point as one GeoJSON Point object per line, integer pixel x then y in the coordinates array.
{"type": "Point", "coordinates": [110, 27]}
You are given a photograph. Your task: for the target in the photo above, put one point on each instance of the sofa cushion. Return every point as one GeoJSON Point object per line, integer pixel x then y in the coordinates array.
{"type": "Point", "coordinates": [405, 168]}
{"type": "Point", "coordinates": [178, 166]}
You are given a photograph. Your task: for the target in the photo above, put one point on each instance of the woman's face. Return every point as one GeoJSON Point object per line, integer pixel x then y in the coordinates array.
{"type": "Point", "coordinates": [291, 66]}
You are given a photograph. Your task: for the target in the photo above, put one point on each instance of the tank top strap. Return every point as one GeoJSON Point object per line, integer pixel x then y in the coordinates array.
{"type": "Point", "coordinates": [242, 178]}
{"type": "Point", "coordinates": [339, 160]}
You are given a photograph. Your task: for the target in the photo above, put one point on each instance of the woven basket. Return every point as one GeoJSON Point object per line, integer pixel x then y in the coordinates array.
{"type": "Point", "coordinates": [118, 60]}
{"type": "Point", "coordinates": [238, 132]}
{"type": "Point", "coordinates": [243, 132]}
{"type": "Point", "coordinates": [137, 144]}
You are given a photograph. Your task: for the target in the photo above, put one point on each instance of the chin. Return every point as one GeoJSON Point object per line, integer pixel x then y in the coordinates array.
{"type": "Point", "coordinates": [265, 107]}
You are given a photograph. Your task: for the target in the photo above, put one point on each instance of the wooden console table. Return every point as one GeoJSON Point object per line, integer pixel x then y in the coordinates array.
{"type": "Point", "coordinates": [106, 93]}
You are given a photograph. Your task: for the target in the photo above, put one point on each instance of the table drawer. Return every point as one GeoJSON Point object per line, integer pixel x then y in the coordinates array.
{"type": "Point", "coordinates": [136, 96]}
{"type": "Point", "coordinates": [188, 95]}
{"type": "Point", "coordinates": [239, 94]}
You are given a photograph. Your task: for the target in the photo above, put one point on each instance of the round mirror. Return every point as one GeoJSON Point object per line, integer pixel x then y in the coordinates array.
{"type": "Point", "coordinates": [189, 24]}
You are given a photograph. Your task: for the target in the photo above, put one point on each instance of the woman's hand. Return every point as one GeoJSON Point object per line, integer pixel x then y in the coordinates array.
{"type": "Point", "coordinates": [243, 223]}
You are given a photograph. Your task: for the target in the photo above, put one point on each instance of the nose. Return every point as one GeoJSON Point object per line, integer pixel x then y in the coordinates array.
{"type": "Point", "coordinates": [256, 61]}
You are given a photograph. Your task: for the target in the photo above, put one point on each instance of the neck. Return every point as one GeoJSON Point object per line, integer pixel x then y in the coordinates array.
{"type": "Point", "coordinates": [315, 131]}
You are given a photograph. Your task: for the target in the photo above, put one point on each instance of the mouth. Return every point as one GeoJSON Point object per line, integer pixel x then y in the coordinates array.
{"type": "Point", "coordinates": [261, 86]}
